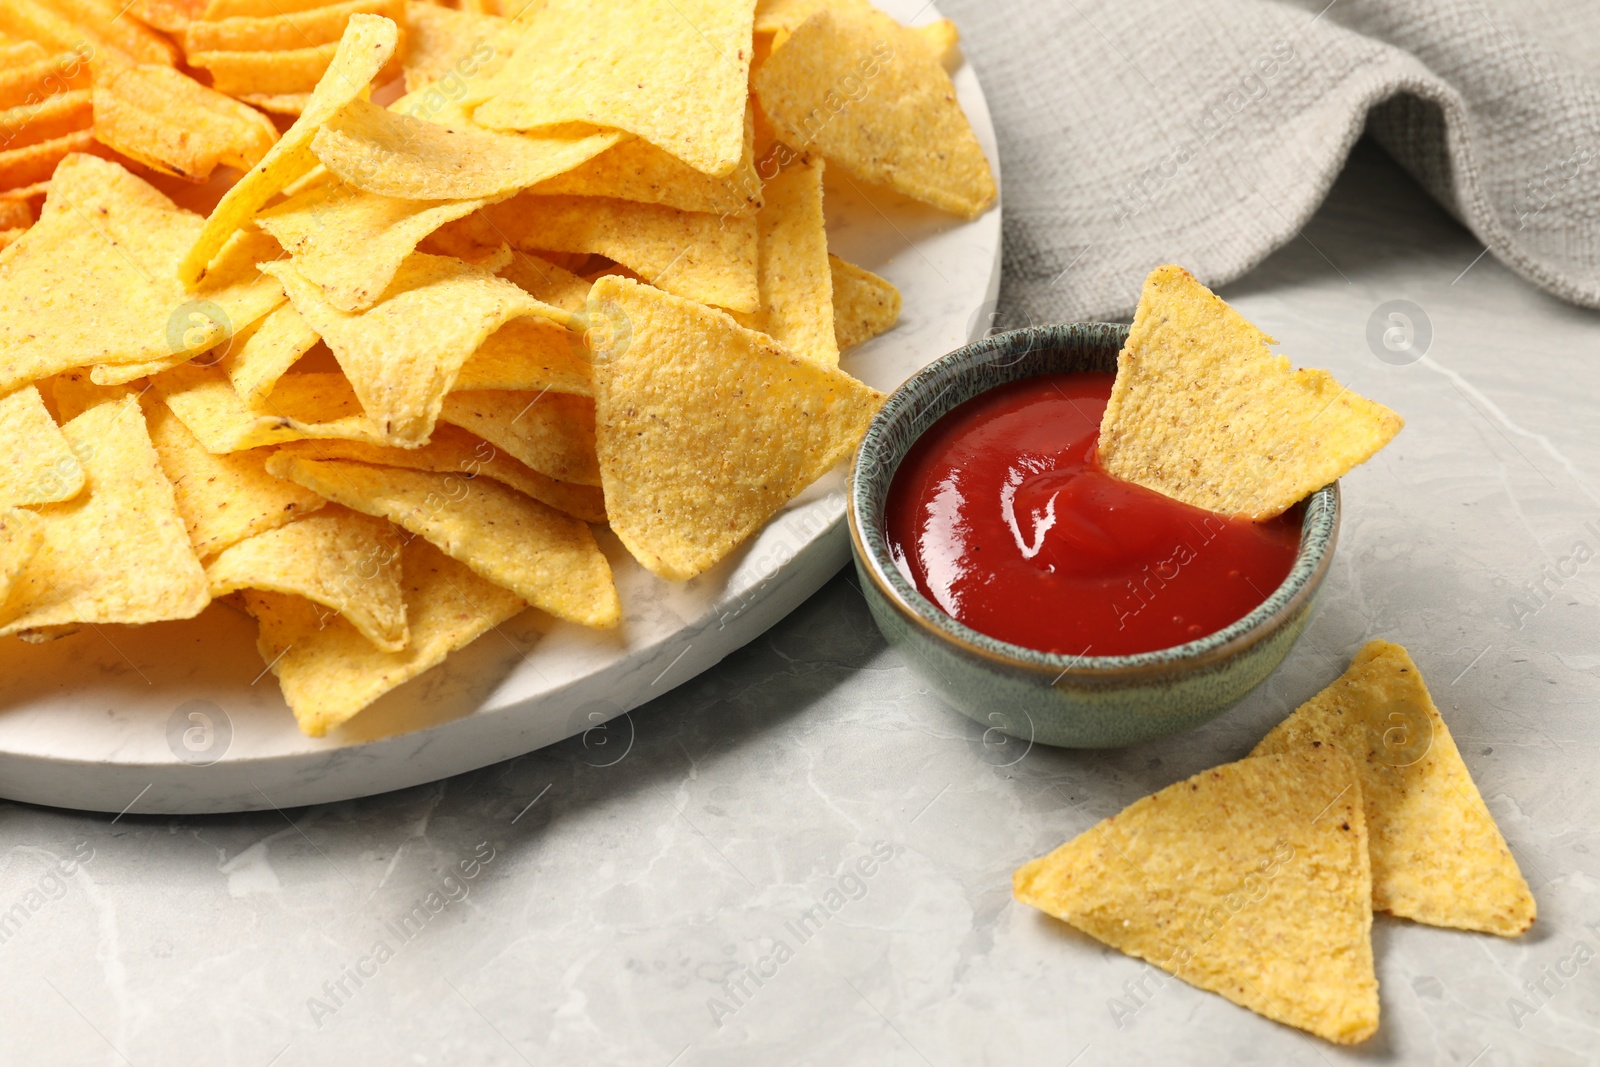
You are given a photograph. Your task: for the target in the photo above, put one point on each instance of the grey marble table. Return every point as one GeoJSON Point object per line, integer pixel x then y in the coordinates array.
{"type": "Point", "coordinates": [641, 896]}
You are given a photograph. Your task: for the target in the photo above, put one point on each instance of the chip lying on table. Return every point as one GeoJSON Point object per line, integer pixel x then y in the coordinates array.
{"type": "Point", "coordinates": [1258, 879]}
{"type": "Point", "coordinates": [380, 396]}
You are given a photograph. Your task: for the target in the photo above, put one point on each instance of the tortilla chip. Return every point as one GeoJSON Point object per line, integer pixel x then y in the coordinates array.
{"type": "Point", "coordinates": [350, 243]}
{"type": "Point", "coordinates": [529, 355]}
{"type": "Point", "coordinates": [366, 47]}
{"type": "Point", "coordinates": [551, 432]}
{"type": "Point", "coordinates": [328, 671]}
{"type": "Point", "coordinates": [864, 305]}
{"type": "Point", "coordinates": [257, 362]}
{"type": "Point", "coordinates": [684, 92]}
{"type": "Point", "coordinates": [451, 46]}
{"type": "Point", "coordinates": [36, 466]}
{"type": "Point", "coordinates": [303, 406]}
{"type": "Point", "coordinates": [548, 282]}
{"type": "Point", "coordinates": [222, 499]}
{"type": "Point", "coordinates": [940, 38]}
{"type": "Point", "coordinates": [1203, 412]}
{"type": "Point", "coordinates": [117, 552]}
{"type": "Point", "coordinates": [402, 356]}
{"type": "Point", "coordinates": [795, 279]}
{"type": "Point", "coordinates": [87, 27]}
{"type": "Point", "coordinates": [453, 450]}
{"type": "Point", "coordinates": [546, 558]}
{"type": "Point", "coordinates": [94, 281]}
{"type": "Point", "coordinates": [74, 393]}
{"type": "Point", "coordinates": [866, 93]}
{"type": "Point", "coordinates": [707, 258]}
{"type": "Point", "coordinates": [1249, 880]}
{"type": "Point", "coordinates": [344, 560]}
{"type": "Point", "coordinates": [638, 170]}
{"type": "Point", "coordinates": [705, 429]}
{"type": "Point", "coordinates": [444, 157]}
{"type": "Point", "coordinates": [21, 537]}
{"type": "Point", "coordinates": [1437, 855]}
{"type": "Point", "coordinates": [173, 124]}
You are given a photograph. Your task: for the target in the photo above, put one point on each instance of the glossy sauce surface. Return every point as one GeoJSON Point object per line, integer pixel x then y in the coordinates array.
{"type": "Point", "coordinates": [1001, 515]}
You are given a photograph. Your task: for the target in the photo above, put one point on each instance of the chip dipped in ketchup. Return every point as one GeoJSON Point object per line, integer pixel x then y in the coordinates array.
{"type": "Point", "coordinates": [1001, 515]}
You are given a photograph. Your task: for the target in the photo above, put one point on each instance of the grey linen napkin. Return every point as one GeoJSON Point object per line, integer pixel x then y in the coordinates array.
{"type": "Point", "coordinates": [1206, 132]}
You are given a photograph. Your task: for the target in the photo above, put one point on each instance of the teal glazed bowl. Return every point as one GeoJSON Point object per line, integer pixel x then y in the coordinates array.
{"type": "Point", "coordinates": [1052, 699]}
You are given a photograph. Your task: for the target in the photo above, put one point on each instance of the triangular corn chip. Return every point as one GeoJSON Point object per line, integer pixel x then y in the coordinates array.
{"type": "Point", "coordinates": [1249, 880]}
{"type": "Point", "coordinates": [444, 42]}
{"type": "Point", "coordinates": [1437, 855]}
{"type": "Point", "coordinates": [638, 170]}
{"type": "Point", "coordinates": [118, 551]}
{"type": "Point", "coordinates": [417, 153]}
{"type": "Point", "coordinates": [36, 466]}
{"type": "Point", "coordinates": [222, 499]}
{"type": "Point", "coordinates": [95, 280]}
{"type": "Point", "coordinates": [403, 354]}
{"type": "Point", "coordinates": [905, 130]}
{"type": "Point", "coordinates": [21, 537]}
{"type": "Point", "coordinates": [707, 258]}
{"type": "Point", "coordinates": [546, 558]}
{"type": "Point", "coordinates": [346, 561]}
{"type": "Point", "coordinates": [551, 432]}
{"type": "Point", "coordinates": [1203, 412]}
{"type": "Point", "coordinates": [864, 305]}
{"type": "Point", "coordinates": [684, 92]}
{"type": "Point", "coordinates": [350, 243]}
{"type": "Point", "coordinates": [328, 671]}
{"type": "Point", "coordinates": [547, 281]}
{"type": "Point", "coordinates": [173, 124]}
{"type": "Point", "coordinates": [302, 406]}
{"type": "Point", "coordinates": [74, 393]}
{"type": "Point", "coordinates": [704, 429]}
{"type": "Point", "coordinates": [529, 355]}
{"type": "Point", "coordinates": [795, 279]}
{"type": "Point", "coordinates": [368, 43]}
{"type": "Point", "coordinates": [255, 363]}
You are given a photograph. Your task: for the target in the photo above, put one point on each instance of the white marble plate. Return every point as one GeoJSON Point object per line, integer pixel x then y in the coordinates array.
{"type": "Point", "coordinates": [181, 718]}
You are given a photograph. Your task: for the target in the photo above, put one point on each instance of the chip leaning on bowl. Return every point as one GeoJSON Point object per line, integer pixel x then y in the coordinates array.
{"type": "Point", "coordinates": [379, 396]}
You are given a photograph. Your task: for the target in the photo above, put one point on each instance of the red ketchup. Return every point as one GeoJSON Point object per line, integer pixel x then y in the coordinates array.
{"type": "Point", "coordinates": [1002, 516]}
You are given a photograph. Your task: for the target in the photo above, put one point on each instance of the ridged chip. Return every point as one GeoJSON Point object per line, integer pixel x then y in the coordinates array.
{"type": "Point", "coordinates": [1437, 855]}
{"type": "Point", "coordinates": [173, 124]}
{"type": "Point", "coordinates": [1249, 880]}
{"type": "Point", "coordinates": [1203, 412]}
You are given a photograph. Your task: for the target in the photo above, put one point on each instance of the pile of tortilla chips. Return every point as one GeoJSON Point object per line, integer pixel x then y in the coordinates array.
{"type": "Point", "coordinates": [378, 397]}
{"type": "Point", "coordinates": [1258, 879]}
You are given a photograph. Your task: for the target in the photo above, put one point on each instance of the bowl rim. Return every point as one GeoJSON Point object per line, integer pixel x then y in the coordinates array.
{"type": "Point", "coordinates": [927, 391]}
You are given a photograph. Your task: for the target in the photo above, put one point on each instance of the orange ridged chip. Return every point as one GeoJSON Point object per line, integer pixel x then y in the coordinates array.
{"type": "Point", "coordinates": [36, 465]}
{"type": "Point", "coordinates": [117, 552]}
{"type": "Point", "coordinates": [285, 29]}
{"type": "Point", "coordinates": [34, 165]}
{"type": "Point", "coordinates": [95, 280]}
{"type": "Point", "coordinates": [91, 28]}
{"type": "Point", "coordinates": [21, 537]}
{"type": "Point", "coordinates": [57, 115]}
{"type": "Point", "coordinates": [684, 93]}
{"type": "Point", "coordinates": [403, 355]}
{"type": "Point", "coordinates": [707, 258]}
{"type": "Point", "coordinates": [866, 93]}
{"type": "Point", "coordinates": [444, 156]}
{"type": "Point", "coordinates": [1437, 855]}
{"type": "Point", "coordinates": [303, 406]}
{"type": "Point", "coordinates": [171, 16]}
{"type": "Point", "coordinates": [328, 671]}
{"type": "Point", "coordinates": [1249, 880]}
{"type": "Point", "coordinates": [173, 124]}
{"type": "Point", "coordinates": [638, 170]}
{"type": "Point", "coordinates": [551, 432]}
{"type": "Point", "coordinates": [705, 429]}
{"type": "Point", "coordinates": [279, 82]}
{"type": "Point", "coordinates": [864, 305]}
{"type": "Point", "coordinates": [351, 243]}
{"type": "Point", "coordinates": [346, 561]}
{"type": "Point", "coordinates": [795, 279]}
{"type": "Point", "coordinates": [1203, 412]}
{"type": "Point", "coordinates": [452, 450]}
{"type": "Point", "coordinates": [222, 499]}
{"type": "Point", "coordinates": [366, 47]}
{"type": "Point", "coordinates": [546, 558]}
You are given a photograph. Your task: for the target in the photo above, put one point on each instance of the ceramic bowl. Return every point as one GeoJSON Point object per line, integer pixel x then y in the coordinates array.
{"type": "Point", "coordinates": [1073, 701]}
